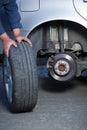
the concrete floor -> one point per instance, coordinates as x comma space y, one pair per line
59, 107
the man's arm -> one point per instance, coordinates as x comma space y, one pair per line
14, 18
6, 40
11, 10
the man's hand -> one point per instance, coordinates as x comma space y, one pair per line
7, 43
22, 38
19, 37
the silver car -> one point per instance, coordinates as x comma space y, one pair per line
58, 31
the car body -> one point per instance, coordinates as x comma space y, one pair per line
44, 20
58, 31
37, 12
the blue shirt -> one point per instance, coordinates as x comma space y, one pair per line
11, 10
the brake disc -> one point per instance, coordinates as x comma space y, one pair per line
62, 66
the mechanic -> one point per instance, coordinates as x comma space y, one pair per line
11, 10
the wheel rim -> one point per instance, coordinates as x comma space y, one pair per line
8, 80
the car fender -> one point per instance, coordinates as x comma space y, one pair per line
45, 11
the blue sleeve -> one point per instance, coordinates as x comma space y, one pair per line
1, 29
11, 10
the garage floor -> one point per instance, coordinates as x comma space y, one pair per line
59, 107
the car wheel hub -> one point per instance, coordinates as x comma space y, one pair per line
62, 66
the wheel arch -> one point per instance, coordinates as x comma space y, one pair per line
36, 25
76, 26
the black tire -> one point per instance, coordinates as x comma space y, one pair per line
20, 78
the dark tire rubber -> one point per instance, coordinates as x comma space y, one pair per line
24, 78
